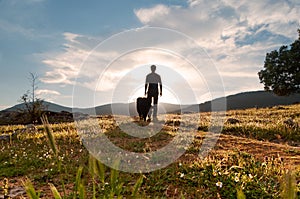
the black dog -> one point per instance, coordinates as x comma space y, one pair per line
143, 106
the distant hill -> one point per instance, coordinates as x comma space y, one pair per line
254, 99
50, 107
259, 99
244, 100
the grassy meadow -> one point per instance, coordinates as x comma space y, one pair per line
256, 156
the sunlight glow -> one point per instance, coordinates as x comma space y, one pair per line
168, 96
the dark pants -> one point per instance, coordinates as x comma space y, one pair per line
154, 96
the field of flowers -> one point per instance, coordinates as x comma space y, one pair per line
257, 156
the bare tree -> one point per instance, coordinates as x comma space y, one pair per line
33, 78
34, 106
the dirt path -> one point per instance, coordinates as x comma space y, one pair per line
259, 149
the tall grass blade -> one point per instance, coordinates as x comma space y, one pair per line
55, 192
114, 177
289, 186
50, 136
240, 194
100, 170
77, 181
92, 170
30, 191
182, 196
94, 190
53, 147
136, 186
81, 191
91, 165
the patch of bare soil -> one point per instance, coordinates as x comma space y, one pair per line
259, 149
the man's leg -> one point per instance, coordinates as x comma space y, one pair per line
150, 110
155, 107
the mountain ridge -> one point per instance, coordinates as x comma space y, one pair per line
251, 99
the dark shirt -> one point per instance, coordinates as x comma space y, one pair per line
153, 82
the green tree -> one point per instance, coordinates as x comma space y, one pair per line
33, 106
281, 73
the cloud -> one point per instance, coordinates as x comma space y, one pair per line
46, 92
48, 95
64, 66
204, 19
148, 15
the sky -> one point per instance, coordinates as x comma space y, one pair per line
97, 52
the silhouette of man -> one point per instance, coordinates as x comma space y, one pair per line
153, 87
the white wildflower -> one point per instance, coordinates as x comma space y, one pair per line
250, 176
236, 179
219, 184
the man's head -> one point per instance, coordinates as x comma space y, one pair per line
153, 68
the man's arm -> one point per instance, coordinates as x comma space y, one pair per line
160, 89
146, 85
160, 86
